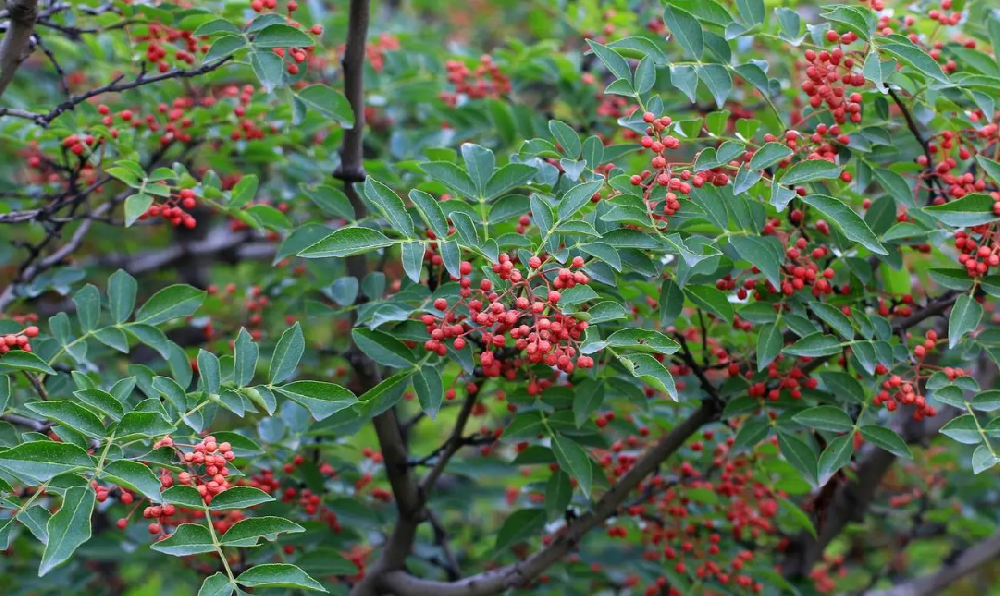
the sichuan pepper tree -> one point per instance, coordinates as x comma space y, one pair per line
431, 298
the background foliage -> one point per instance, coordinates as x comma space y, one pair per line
549, 297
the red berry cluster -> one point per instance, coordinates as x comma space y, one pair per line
160, 37
896, 390
527, 311
18, 341
979, 248
175, 209
78, 145
828, 75
486, 80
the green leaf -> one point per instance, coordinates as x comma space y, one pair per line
244, 191
971, 210
602, 312
187, 496
802, 458
574, 460
287, 354
643, 340
588, 397
852, 18
567, 137
88, 307
801, 520
187, 539
769, 155
69, 527
645, 76
965, 316
508, 177
992, 168
878, 71
268, 67
790, 23
282, 36
121, 295
558, 493
217, 585
810, 170
519, 525
983, 459
849, 222
686, 29
836, 455
278, 575
390, 206
832, 316
372, 397
718, 80
751, 432
412, 256
612, 60
329, 103
100, 400
36, 519
987, 401
712, 300
576, 197
4, 392
331, 200
431, 212
216, 26
885, 438
751, 11
142, 424
21, 360
346, 242
383, 348
842, 384
963, 429
134, 475
322, 399
769, 344
760, 253
814, 345
828, 418
268, 217
480, 163
69, 414
132, 176
912, 55
671, 302
255, 527
246, 352
179, 300
451, 176
239, 497
210, 370
650, 371
135, 207
430, 389
224, 46
604, 252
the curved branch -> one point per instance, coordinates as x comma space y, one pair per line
972, 558
487, 583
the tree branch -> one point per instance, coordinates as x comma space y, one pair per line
972, 558
487, 583
454, 443
16, 42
